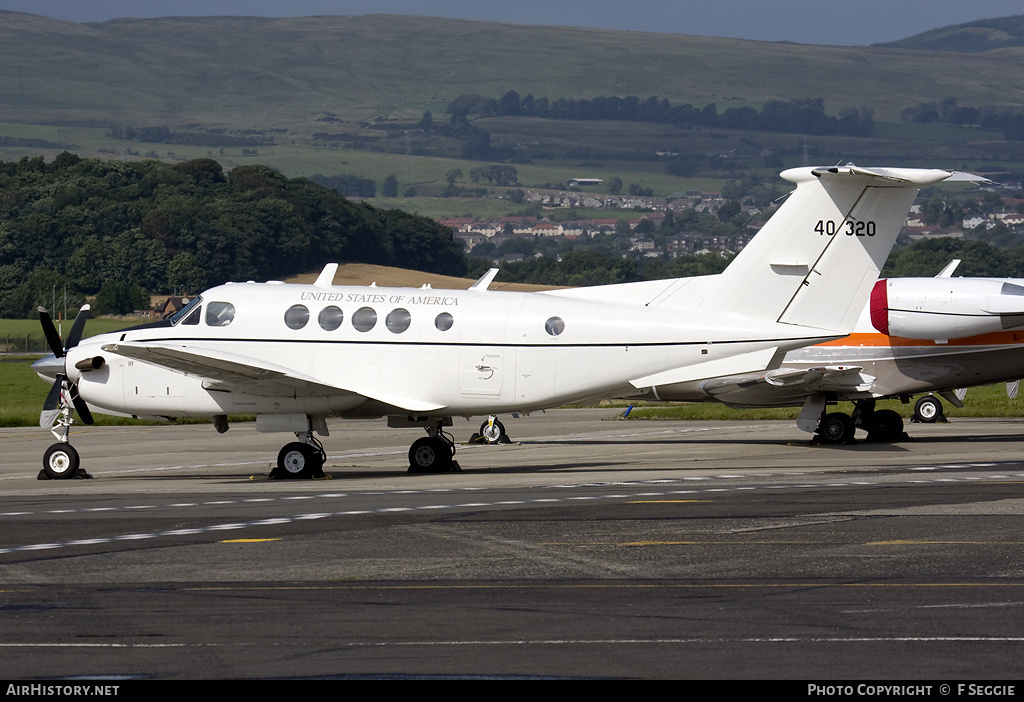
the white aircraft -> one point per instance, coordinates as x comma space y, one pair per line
294, 354
916, 335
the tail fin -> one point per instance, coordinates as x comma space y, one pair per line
814, 262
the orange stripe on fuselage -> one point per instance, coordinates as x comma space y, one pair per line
876, 339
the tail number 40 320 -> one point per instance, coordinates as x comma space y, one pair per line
851, 227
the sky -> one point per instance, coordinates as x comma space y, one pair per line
832, 22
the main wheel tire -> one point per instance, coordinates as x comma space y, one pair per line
493, 433
836, 428
886, 425
61, 461
928, 410
298, 460
430, 455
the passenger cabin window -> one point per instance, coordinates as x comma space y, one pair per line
364, 319
296, 316
444, 321
330, 318
554, 326
398, 320
219, 314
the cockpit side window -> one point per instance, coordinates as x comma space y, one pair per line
219, 314
188, 309
193, 317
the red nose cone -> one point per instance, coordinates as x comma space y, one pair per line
880, 307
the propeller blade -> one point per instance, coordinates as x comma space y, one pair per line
51, 407
50, 332
78, 327
53, 397
80, 406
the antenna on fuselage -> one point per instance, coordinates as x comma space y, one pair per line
326, 277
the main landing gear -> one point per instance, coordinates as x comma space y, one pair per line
928, 410
434, 453
882, 425
301, 459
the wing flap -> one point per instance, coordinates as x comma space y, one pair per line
786, 386
742, 363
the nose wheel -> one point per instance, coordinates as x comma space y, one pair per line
61, 461
491, 432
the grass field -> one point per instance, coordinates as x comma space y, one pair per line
22, 395
26, 335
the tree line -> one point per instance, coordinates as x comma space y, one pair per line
158, 226
591, 267
1001, 119
797, 116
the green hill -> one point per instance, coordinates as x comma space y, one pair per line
969, 38
244, 72
349, 96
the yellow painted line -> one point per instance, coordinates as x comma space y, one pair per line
246, 541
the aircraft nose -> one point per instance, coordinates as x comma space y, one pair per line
48, 367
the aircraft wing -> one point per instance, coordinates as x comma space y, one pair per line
786, 386
244, 374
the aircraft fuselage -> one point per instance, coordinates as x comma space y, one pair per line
407, 351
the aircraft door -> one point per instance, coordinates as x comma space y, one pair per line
483, 355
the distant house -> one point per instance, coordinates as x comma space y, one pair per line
931, 232
170, 306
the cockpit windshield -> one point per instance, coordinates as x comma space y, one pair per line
184, 312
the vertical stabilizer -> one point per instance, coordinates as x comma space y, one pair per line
814, 262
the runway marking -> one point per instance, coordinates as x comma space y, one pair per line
884, 480
519, 642
603, 585
249, 541
922, 542
995, 479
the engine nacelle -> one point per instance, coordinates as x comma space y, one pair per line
940, 309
